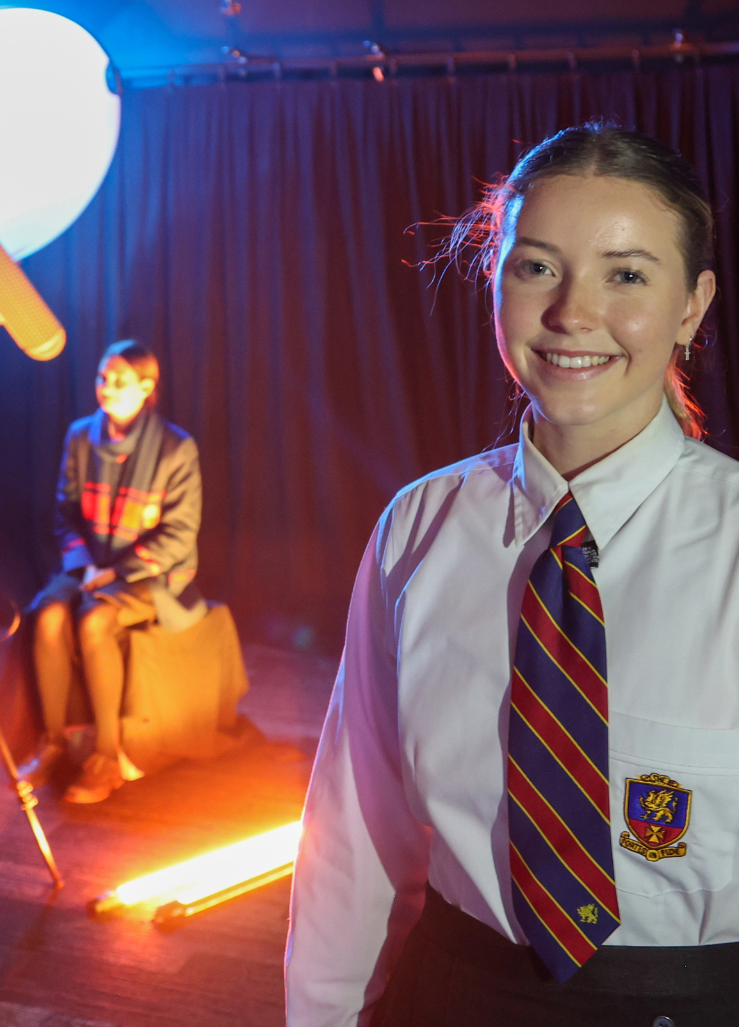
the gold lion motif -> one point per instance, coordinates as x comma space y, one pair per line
659, 805
588, 914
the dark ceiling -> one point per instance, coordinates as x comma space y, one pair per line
164, 33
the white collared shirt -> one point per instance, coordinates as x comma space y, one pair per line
410, 777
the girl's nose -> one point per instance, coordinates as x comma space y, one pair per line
575, 309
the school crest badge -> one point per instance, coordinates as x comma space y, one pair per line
657, 811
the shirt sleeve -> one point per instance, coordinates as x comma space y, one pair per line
360, 874
68, 520
158, 550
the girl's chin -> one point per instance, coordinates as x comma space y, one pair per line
568, 415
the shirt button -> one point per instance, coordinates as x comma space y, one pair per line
663, 1021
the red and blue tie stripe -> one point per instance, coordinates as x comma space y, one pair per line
564, 893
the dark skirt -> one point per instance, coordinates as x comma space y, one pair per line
457, 972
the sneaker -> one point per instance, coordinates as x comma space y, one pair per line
38, 769
101, 775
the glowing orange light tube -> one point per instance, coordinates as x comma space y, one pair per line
259, 859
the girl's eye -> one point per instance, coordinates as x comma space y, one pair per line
534, 268
629, 277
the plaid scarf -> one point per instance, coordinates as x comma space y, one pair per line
115, 483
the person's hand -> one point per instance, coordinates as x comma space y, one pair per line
94, 578
90, 572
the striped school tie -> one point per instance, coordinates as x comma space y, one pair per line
564, 892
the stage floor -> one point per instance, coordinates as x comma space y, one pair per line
222, 968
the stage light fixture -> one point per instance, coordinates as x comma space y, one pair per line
27, 318
59, 125
214, 877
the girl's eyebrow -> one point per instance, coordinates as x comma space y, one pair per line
525, 240
624, 254
548, 247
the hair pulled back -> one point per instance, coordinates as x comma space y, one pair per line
142, 360
597, 148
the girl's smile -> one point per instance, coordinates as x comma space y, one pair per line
579, 365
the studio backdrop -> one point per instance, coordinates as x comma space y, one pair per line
260, 238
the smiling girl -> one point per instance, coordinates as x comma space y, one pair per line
127, 517
525, 805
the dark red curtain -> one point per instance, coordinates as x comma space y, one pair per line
256, 237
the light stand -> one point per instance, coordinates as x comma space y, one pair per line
23, 789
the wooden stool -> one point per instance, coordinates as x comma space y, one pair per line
181, 690
179, 700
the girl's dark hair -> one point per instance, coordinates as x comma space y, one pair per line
597, 148
142, 360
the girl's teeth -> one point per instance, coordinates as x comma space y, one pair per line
577, 362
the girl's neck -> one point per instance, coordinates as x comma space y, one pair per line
571, 449
568, 455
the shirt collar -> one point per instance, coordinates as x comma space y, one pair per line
609, 492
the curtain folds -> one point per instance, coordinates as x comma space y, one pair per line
259, 238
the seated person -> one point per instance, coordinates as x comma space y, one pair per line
127, 517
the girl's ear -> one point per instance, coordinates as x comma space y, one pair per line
147, 385
698, 303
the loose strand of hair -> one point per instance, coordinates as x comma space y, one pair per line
686, 409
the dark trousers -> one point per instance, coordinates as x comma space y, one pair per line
457, 972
